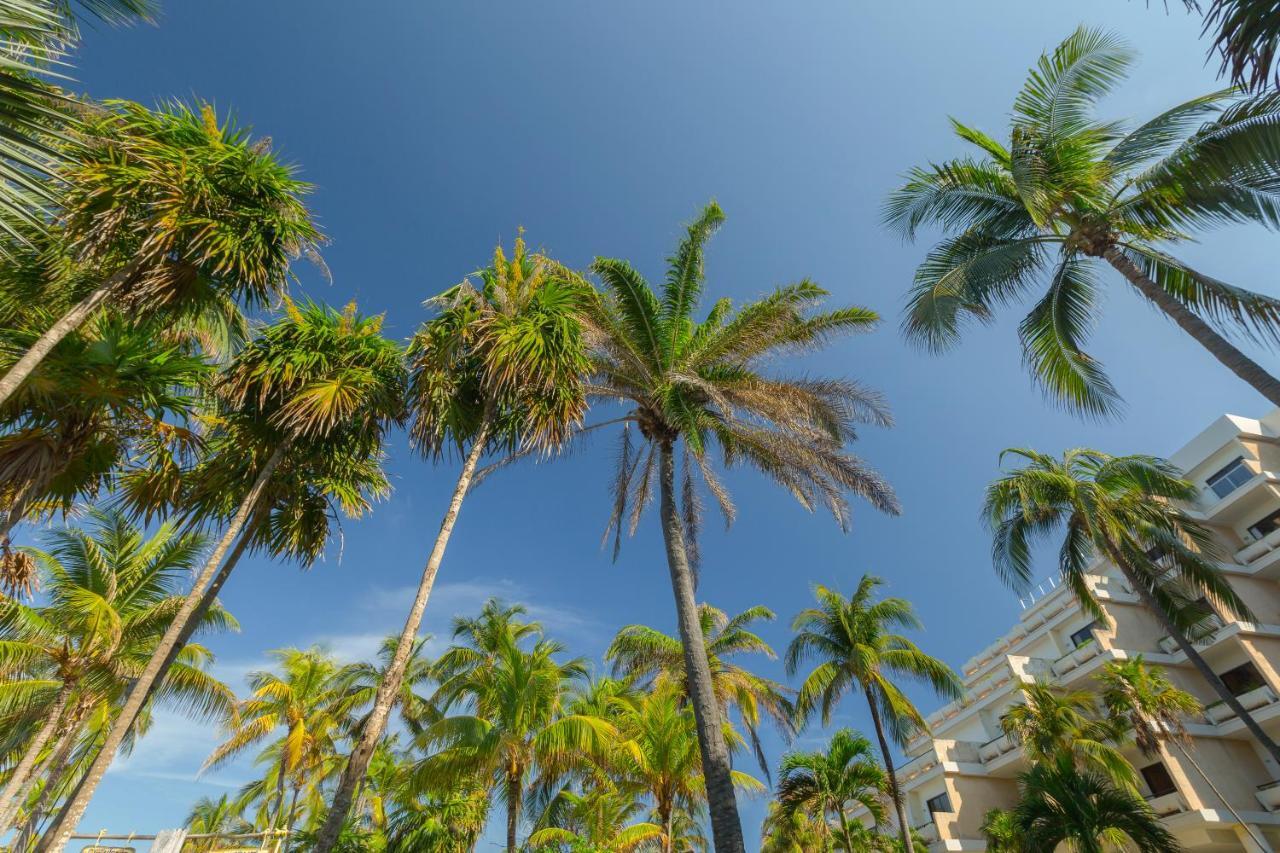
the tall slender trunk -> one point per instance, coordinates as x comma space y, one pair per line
289, 818
1218, 346
389, 689
514, 789
15, 789
666, 814
57, 769
65, 325
1180, 637
56, 839
1186, 753
848, 833
726, 826
895, 793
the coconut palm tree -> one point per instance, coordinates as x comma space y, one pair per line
498, 368
1126, 510
1246, 35
363, 678
693, 384
1069, 190
111, 593
101, 393
304, 709
1155, 711
855, 644
517, 727
448, 821
641, 653
828, 783
184, 211
1052, 723
214, 817
1062, 805
312, 395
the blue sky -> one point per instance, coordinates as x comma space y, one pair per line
433, 130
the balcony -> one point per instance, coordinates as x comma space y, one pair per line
996, 747
1258, 548
1206, 634
1087, 651
1260, 697
1167, 804
926, 832
1269, 795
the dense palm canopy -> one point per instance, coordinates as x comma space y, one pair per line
1068, 190
1053, 724
1147, 701
825, 785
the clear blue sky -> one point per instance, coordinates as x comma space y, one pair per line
432, 130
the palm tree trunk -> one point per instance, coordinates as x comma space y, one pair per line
726, 826
895, 792
513, 812
14, 791
289, 817
1218, 346
1189, 650
389, 689
57, 769
848, 834
65, 325
1186, 753
668, 827
56, 839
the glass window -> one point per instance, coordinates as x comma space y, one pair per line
1230, 478
1084, 635
1267, 525
1158, 779
940, 803
1242, 679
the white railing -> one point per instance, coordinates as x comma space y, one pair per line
1269, 795
996, 747
1167, 804
1087, 651
1259, 697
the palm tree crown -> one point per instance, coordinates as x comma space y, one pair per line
1069, 189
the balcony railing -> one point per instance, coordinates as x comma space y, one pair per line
1204, 635
1074, 658
1269, 795
996, 747
1167, 804
927, 831
1260, 697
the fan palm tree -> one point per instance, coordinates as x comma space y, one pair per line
641, 653
1125, 509
186, 212
112, 592
304, 708
499, 367
1052, 723
101, 393
691, 385
1155, 711
518, 727
1081, 810
856, 647
1069, 190
312, 395
829, 782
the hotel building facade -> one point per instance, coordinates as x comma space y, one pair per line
966, 766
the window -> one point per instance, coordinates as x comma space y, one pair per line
940, 803
1242, 679
1267, 525
1083, 636
1158, 779
1230, 478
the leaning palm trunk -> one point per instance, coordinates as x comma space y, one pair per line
65, 325
1186, 753
16, 788
1179, 637
57, 769
726, 826
895, 793
57, 837
1218, 346
389, 689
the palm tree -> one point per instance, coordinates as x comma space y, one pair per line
499, 367
1052, 723
518, 726
305, 709
600, 819
1154, 709
1126, 510
212, 817
1000, 829
185, 210
450, 821
111, 594
1070, 189
1084, 811
641, 653
830, 782
312, 395
702, 383
1246, 36
855, 644
792, 831
365, 677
